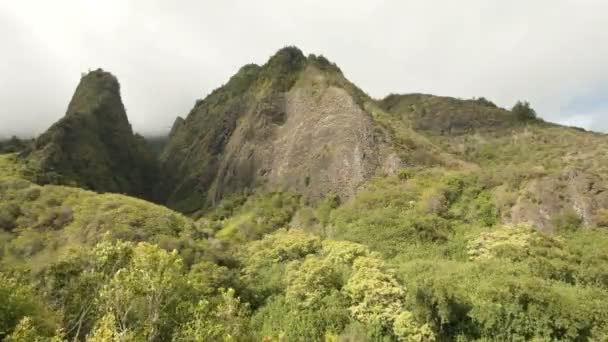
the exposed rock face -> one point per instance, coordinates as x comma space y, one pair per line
93, 146
301, 129
573, 192
313, 139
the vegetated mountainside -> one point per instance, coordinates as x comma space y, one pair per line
540, 173
93, 145
468, 223
294, 123
40, 223
298, 124
448, 116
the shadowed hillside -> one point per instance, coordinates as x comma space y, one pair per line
93, 145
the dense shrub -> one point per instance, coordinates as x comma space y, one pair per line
523, 111
21, 309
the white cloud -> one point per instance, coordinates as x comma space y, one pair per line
169, 53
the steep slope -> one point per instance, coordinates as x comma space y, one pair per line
294, 123
539, 173
434, 252
93, 145
438, 115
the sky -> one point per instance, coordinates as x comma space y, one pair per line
167, 54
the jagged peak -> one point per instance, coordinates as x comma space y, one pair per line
285, 60
177, 124
93, 145
97, 88
100, 78
287, 55
323, 63
278, 74
248, 68
291, 58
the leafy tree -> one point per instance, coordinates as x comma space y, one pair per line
143, 295
523, 111
376, 295
201, 327
74, 282
22, 311
310, 280
342, 253
408, 330
228, 321
284, 320
485, 102
27, 331
106, 330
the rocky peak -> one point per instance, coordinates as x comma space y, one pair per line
287, 58
177, 124
294, 123
93, 145
98, 93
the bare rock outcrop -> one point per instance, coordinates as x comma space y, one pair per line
297, 125
575, 193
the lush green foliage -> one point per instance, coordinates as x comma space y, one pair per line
429, 260
495, 231
38, 223
93, 145
22, 310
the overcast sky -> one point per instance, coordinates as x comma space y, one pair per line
167, 54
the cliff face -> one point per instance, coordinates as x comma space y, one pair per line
297, 124
570, 197
93, 145
293, 124
313, 139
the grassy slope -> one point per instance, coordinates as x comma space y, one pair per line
492, 137
38, 223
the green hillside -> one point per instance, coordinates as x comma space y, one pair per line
93, 145
304, 210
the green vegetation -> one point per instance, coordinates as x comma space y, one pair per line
493, 227
448, 116
14, 145
523, 111
420, 256
93, 145
11, 166
41, 222
252, 103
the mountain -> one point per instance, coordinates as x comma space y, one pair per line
297, 124
294, 123
437, 115
301, 209
93, 145
540, 173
